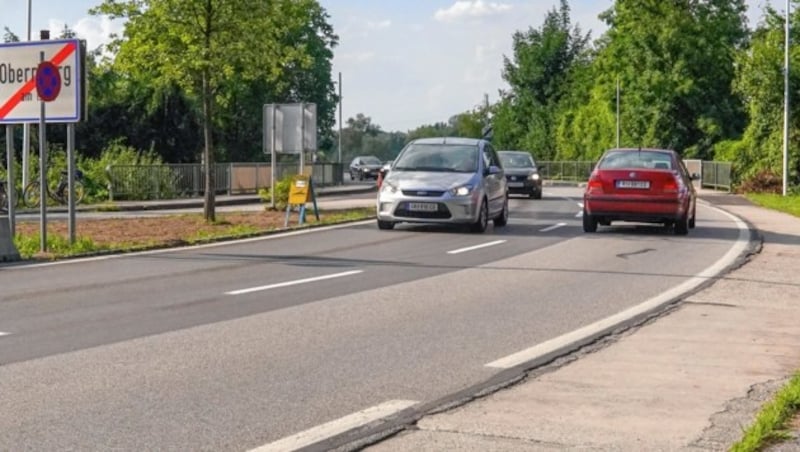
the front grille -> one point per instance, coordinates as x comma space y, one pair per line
442, 213
423, 193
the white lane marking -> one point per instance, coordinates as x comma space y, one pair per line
580, 212
476, 247
337, 427
553, 227
121, 255
4, 334
293, 283
561, 341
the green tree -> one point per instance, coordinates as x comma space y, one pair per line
538, 75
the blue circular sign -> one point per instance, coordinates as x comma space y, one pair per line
48, 81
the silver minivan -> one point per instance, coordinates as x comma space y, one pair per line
446, 181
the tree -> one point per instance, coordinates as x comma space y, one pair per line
220, 53
538, 75
9, 36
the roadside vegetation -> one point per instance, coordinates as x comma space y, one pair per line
787, 204
118, 235
770, 425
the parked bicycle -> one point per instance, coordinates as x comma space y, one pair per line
4, 196
32, 193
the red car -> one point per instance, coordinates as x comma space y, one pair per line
640, 185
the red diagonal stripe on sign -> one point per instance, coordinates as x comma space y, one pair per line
28, 87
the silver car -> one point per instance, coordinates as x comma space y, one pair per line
445, 180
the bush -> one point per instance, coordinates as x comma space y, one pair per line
282, 188
765, 181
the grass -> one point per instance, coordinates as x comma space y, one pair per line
57, 245
770, 424
788, 204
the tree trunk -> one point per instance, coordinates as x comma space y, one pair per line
208, 154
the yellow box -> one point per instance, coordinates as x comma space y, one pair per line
300, 192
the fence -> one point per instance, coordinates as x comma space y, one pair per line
717, 175
576, 171
170, 181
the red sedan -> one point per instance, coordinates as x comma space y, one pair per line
640, 185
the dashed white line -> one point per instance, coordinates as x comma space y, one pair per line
476, 247
553, 227
4, 334
293, 283
339, 426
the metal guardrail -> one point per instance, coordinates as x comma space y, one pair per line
717, 175
576, 171
172, 181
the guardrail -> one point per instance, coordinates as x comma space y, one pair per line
577, 171
171, 181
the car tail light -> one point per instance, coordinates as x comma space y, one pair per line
595, 185
671, 186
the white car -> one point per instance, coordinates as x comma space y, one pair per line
445, 181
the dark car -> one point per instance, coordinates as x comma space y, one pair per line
521, 173
640, 185
365, 167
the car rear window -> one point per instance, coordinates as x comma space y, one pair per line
636, 159
516, 160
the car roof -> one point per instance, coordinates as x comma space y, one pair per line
670, 151
449, 140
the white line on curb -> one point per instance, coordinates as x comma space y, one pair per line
556, 343
476, 247
293, 283
553, 227
333, 428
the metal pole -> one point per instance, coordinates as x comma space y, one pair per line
618, 122
42, 174
340, 118
786, 107
26, 128
273, 162
71, 181
11, 192
302, 137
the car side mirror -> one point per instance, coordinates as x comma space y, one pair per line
494, 169
695, 176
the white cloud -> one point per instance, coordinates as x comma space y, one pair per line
379, 25
359, 57
470, 9
95, 30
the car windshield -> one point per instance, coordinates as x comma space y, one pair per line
370, 161
516, 160
438, 157
636, 159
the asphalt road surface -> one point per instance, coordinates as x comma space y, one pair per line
234, 346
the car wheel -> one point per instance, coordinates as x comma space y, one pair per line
483, 219
502, 219
682, 225
589, 222
537, 195
604, 222
385, 225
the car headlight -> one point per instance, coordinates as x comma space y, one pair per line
388, 188
534, 176
464, 190
366, 170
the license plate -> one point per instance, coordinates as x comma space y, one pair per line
515, 184
641, 184
423, 207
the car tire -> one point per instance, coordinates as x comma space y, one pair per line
502, 219
537, 195
604, 222
589, 222
385, 225
482, 222
681, 226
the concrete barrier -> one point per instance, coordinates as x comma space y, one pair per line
8, 252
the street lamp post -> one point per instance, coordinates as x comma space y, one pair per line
340, 117
786, 106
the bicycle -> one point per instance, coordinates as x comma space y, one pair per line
32, 193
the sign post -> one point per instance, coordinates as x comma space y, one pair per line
51, 72
8, 252
289, 129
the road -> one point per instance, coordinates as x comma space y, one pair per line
234, 346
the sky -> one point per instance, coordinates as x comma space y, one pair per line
404, 63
